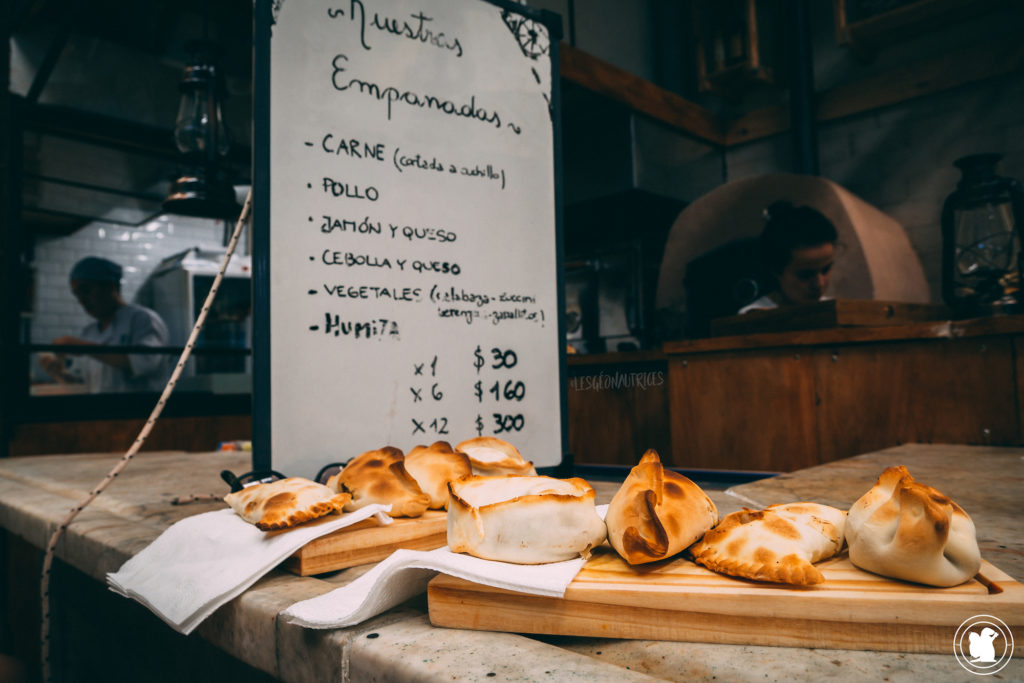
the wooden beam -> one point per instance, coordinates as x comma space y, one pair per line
641, 95
892, 87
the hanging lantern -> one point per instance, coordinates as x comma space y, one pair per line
203, 140
982, 233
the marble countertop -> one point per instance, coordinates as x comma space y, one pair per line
36, 492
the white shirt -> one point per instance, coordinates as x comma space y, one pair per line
765, 302
132, 325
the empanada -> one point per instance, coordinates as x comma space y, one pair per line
490, 456
433, 467
777, 544
380, 477
656, 513
523, 519
906, 530
285, 503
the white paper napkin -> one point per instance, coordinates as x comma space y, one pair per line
202, 562
406, 573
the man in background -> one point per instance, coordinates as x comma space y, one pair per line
96, 283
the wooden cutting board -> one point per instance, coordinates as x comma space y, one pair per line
368, 541
678, 600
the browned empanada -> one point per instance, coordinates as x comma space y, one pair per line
380, 477
434, 466
907, 530
490, 456
657, 513
523, 519
779, 544
285, 503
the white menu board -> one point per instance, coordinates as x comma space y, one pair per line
413, 250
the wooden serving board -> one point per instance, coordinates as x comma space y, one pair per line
368, 541
678, 600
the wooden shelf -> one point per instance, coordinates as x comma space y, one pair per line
643, 96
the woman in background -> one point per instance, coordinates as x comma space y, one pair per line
798, 247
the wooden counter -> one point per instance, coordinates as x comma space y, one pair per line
101, 636
782, 401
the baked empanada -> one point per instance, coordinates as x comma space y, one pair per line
656, 513
490, 456
777, 544
906, 530
380, 477
433, 467
522, 519
285, 503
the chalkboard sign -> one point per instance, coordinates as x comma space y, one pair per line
407, 252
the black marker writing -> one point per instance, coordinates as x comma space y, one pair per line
352, 147
365, 226
374, 292
378, 328
392, 95
340, 189
416, 30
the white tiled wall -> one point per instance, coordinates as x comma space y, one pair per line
137, 250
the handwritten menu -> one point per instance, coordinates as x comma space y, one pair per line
413, 257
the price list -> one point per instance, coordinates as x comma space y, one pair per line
413, 259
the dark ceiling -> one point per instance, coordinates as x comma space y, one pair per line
97, 85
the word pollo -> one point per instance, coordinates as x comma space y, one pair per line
391, 94
416, 31
378, 328
340, 189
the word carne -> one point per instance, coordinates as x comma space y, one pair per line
373, 292
618, 380
378, 328
351, 147
423, 101
340, 189
416, 31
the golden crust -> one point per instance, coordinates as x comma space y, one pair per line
906, 530
778, 544
434, 466
285, 503
491, 456
380, 476
657, 513
522, 519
